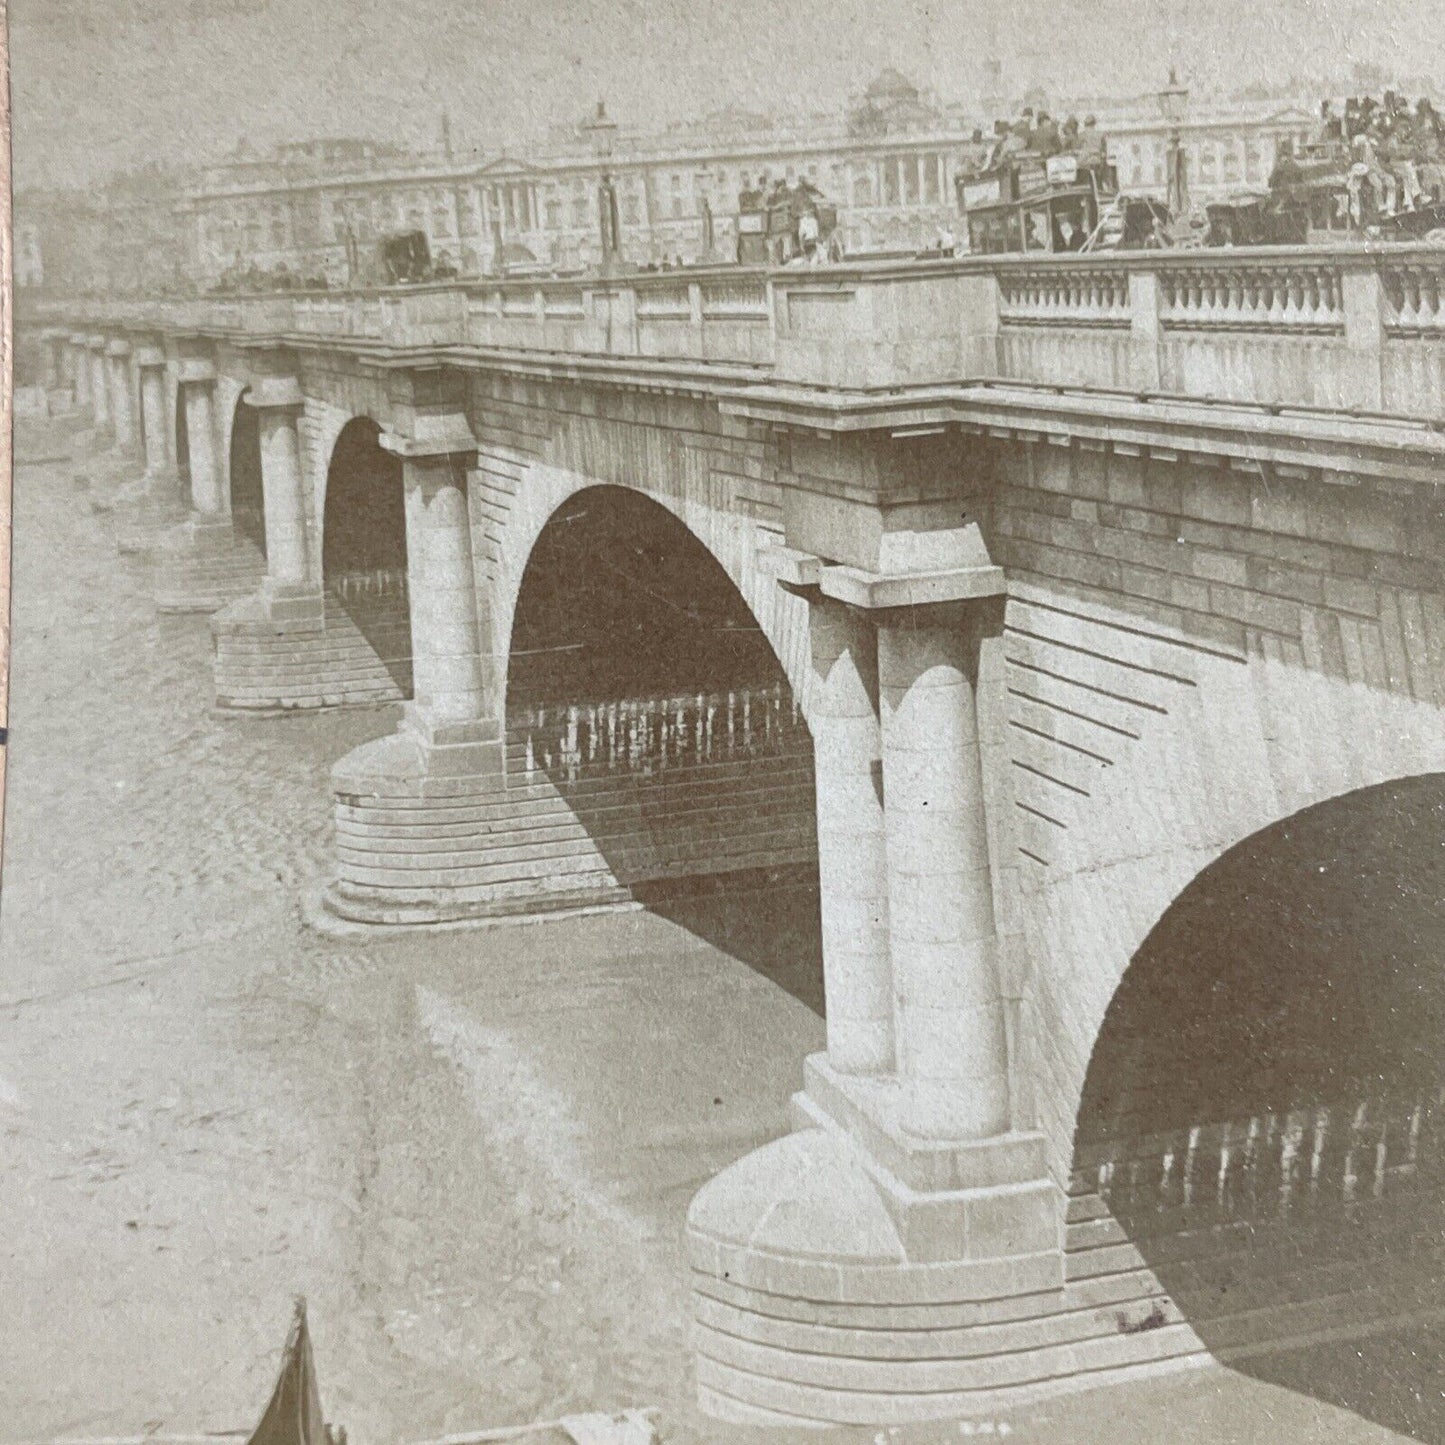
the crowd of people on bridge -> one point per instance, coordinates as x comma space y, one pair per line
1395, 154
1037, 134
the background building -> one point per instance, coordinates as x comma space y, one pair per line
319, 208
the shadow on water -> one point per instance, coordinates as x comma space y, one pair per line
644, 692
766, 919
248, 505
1264, 1113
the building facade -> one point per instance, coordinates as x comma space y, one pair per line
889, 160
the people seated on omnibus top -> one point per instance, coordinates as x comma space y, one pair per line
1044, 140
1286, 173
1093, 148
973, 159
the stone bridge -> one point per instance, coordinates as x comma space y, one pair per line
1078, 574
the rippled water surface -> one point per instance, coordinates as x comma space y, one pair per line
473, 1151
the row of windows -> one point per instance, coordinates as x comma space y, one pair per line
898, 180
1231, 161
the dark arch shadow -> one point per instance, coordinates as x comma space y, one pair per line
248, 504
643, 690
183, 446
1264, 1110
363, 555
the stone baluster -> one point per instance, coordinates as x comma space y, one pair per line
1276, 287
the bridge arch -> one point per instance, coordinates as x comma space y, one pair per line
363, 548
1269, 1068
181, 443
647, 705
243, 470
1170, 754
729, 538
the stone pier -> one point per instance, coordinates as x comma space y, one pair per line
271, 645
201, 564
149, 500
860, 1268
401, 854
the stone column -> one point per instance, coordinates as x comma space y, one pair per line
278, 400
447, 679
952, 1055
122, 402
399, 858
151, 363
99, 386
852, 861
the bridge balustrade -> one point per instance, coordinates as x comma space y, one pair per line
1340, 328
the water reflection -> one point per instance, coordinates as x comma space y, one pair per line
1271, 1166
1264, 1115
646, 736
378, 586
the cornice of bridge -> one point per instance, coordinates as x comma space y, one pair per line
445, 327
1249, 437
1289, 440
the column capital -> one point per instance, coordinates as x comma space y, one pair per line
147, 355
95, 341
438, 437
193, 369
78, 338
875, 591
117, 347
917, 570
274, 393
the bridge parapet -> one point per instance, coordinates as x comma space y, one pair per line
1342, 328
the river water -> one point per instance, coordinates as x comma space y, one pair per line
471, 1150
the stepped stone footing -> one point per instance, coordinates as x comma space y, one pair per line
143, 510
419, 842
202, 564
816, 1300
850, 1274
422, 825
283, 650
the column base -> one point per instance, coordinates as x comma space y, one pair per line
202, 564
285, 649
426, 831
850, 1274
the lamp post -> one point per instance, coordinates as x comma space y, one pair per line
1173, 105
601, 130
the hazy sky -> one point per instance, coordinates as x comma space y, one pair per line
104, 83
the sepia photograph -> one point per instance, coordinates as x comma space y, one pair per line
723, 723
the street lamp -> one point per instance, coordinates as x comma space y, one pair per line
601, 131
1173, 105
